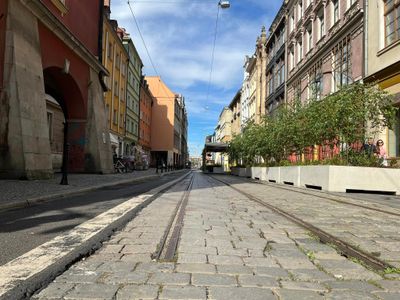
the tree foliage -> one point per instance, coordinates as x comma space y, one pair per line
346, 117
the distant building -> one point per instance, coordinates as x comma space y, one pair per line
235, 107
168, 124
146, 104
115, 59
132, 95
50, 74
248, 94
276, 62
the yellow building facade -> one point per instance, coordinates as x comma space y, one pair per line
115, 59
382, 63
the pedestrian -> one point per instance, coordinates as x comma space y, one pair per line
381, 153
369, 147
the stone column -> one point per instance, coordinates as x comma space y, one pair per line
25, 149
98, 155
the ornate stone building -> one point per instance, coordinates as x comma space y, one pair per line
51, 50
325, 45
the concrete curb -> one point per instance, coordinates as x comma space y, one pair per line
54, 196
21, 277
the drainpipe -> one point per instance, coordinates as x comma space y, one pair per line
365, 52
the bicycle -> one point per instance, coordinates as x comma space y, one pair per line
119, 166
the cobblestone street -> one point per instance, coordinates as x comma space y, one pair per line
230, 248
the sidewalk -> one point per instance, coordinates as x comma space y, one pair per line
20, 193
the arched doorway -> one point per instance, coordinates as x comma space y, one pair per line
63, 89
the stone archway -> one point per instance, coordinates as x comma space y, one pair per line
64, 89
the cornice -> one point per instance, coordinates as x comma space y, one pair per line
46, 17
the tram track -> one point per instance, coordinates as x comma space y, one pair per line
166, 251
331, 198
345, 248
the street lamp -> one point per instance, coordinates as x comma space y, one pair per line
224, 4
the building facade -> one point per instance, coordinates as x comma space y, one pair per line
146, 104
261, 77
276, 62
223, 134
325, 45
168, 112
234, 106
248, 94
115, 60
49, 51
383, 58
132, 95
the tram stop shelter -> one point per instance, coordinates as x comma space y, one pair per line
212, 147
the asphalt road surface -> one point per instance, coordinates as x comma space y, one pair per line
24, 229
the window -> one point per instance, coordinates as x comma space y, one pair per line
121, 120
291, 22
350, 3
315, 82
392, 21
116, 88
117, 61
335, 11
291, 57
115, 117
300, 10
342, 65
122, 94
299, 50
309, 37
110, 51
321, 23
50, 125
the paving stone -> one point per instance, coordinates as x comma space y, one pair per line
81, 277
198, 250
196, 268
183, 292
240, 293
92, 291
170, 278
153, 267
192, 258
54, 291
271, 272
260, 261
257, 281
349, 295
311, 275
388, 295
355, 285
125, 278
225, 260
109, 266
140, 257
296, 263
213, 280
130, 292
390, 285
230, 251
285, 294
133, 249
234, 269
111, 249
302, 285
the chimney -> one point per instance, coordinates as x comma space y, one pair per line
107, 8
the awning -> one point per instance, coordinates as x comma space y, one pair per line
114, 139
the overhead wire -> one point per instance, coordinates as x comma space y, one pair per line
213, 54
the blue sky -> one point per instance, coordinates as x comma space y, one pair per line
179, 35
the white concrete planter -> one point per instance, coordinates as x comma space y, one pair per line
361, 178
274, 174
235, 171
290, 175
259, 173
218, 170
244, 172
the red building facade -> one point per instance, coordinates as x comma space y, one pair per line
53, 50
